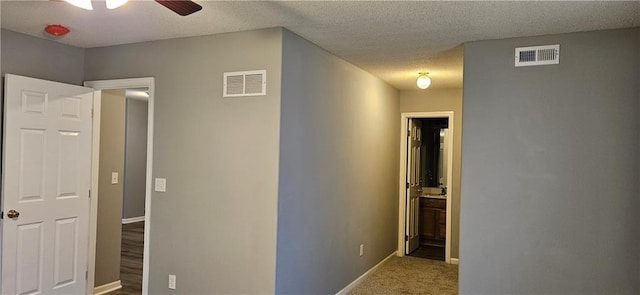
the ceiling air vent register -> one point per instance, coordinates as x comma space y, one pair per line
537, 55
247, 83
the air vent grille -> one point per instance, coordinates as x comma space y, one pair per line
527, 56
247, 83
546, 54
235, 85
537, 55
253, 83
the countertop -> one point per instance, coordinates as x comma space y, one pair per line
441, 197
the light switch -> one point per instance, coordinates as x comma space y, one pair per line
172, 282
161, 185
114, 177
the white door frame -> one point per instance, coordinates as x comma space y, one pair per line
402, 200
149, 83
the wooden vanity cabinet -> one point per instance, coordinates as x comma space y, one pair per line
433, 222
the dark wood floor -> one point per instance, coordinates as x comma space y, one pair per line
131, 259
429, 252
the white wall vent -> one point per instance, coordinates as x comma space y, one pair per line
538, 55
247, 83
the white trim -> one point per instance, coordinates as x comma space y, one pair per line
132, 219
149, 83
455, 261
402, 199
108, 287
361, 278
93, 202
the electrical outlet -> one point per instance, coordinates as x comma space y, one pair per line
161, 185
114, 177
361, 249
172, 282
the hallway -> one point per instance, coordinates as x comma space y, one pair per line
131, 259
410, 275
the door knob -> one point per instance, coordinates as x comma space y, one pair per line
13, 214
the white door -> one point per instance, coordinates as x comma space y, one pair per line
414, 185
46, 180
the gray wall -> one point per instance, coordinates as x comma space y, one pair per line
135, 171
109, 232
43, 59
436, 100
339, 155
550, 167
215, 227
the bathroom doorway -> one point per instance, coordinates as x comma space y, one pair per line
425, 185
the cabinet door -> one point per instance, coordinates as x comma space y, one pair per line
428, 226
442, 225
442, 217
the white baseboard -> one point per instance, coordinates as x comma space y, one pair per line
106, 288
455, 261
132, 219
364, 276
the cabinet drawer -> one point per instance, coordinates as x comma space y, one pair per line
433, 203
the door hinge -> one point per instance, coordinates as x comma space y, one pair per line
406, 238
89, 194
86, 275
407, 185
408, 133
91, 113
1, 214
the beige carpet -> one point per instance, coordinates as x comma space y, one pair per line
410, 275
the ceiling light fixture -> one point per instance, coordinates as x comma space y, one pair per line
84, 4
423, 81
113, 4
181, 7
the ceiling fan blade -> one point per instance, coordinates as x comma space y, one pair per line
181, 7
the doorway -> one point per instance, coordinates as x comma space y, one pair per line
131, 215
426, 185
121, 190
62, 122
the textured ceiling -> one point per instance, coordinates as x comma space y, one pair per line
393, 40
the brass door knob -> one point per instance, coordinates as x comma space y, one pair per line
13, 214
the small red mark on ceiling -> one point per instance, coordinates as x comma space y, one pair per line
56, 30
